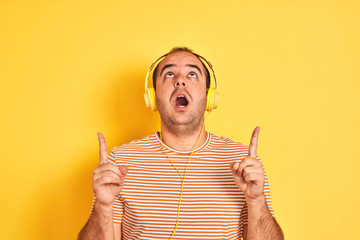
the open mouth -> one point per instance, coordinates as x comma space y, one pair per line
181, 101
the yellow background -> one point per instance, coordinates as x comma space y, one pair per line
69, 69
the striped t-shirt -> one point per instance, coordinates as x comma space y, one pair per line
212, 207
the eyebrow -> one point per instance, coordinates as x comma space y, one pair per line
172, 65
194, 66
166, 66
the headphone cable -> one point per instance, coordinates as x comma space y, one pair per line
182, 177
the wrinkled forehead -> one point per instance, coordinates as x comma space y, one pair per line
181, 58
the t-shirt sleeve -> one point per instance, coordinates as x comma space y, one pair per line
118, 207
244, 212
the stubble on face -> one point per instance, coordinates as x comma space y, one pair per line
182, 126
188, 121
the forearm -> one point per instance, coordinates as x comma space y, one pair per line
100, 225
261, 224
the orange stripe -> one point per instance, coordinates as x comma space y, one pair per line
212, 207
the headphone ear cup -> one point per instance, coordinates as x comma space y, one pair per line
150, 99
212, 99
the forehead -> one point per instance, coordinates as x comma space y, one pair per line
181, 58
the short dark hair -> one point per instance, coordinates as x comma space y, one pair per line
184, 49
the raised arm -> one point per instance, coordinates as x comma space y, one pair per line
108, 181
250, 178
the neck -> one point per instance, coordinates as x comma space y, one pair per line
184, 142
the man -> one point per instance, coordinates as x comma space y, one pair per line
184, 183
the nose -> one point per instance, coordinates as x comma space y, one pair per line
179, 82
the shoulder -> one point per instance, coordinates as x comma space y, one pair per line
224, 150
142, 144
225, 142
136, 151
225, 147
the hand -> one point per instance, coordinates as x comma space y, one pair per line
108, 179
249, 173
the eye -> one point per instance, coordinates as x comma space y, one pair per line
192, 75
169, 74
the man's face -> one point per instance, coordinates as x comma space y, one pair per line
181, 89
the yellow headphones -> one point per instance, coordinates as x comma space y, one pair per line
212, 94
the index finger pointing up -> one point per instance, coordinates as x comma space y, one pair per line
102, 149
253, 143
